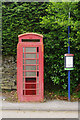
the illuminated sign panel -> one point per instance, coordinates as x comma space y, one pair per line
69, 61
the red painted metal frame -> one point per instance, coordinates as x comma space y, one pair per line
68, 54
20, 83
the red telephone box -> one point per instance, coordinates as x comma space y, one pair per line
30, 76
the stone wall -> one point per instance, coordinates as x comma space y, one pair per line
9, 73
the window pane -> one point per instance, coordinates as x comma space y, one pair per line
31, 49
30, 61
38, 67
30, 86
37, 61
30, 92
37, 49
30, 67
23, 67
23, 61
23, 49
23, 82
37, 79
37, 55
30, 79
38, 86
30, 55
23, 55
30, 73
37, 73
37, 92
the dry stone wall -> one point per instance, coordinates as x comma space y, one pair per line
9, 73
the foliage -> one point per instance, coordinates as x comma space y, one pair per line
51, 20
18, 18
55, 31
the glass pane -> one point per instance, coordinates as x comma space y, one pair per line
37, 55
23, 73
23, 82
30, 55
37, 92
37, 73
38, 86
23, 55
31, 49
30, 86
37, 79
23, 92
30, 92
23, 49
37, 61
23, 67
37, 67
37, 49
30, 61
30, 73
23, 61
30, 67
30, 79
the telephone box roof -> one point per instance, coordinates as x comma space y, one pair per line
29, 34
